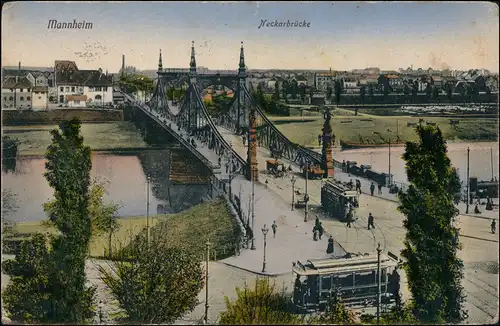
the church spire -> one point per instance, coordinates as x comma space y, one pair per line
192, 63
160, 63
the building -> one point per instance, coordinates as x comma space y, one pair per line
94, 84
350, 85
40, 98
318, 99
76, 101
395, 82
301, 80
322, 81
438, 81
369, 80
16, 93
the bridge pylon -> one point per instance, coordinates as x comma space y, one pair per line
252, 164
327, 140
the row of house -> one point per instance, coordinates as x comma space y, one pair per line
66, 85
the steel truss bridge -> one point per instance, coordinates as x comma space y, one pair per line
206, 136
189, 116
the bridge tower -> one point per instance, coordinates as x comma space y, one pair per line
253, 170
160, 63
242, 75
327, 139
192, 113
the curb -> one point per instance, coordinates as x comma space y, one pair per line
254, 272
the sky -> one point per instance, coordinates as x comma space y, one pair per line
341, 35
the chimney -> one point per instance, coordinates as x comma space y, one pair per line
123, 64
19, 65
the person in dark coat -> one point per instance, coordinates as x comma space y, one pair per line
358, 186
344, 168
493, 226
320, 230
379, 189
315, 233
329, 248
349, 218
372, 188
274, 227
370, 221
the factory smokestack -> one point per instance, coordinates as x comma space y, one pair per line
123, 64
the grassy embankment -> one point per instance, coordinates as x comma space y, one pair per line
361, 128
110, 136
193, 227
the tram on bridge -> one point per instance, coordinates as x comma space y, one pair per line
353, 277
335, 198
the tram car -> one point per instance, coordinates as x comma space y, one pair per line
275, 167
353, 277
334, 199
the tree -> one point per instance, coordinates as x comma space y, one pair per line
336, 313
68, 173
337, 90
449, 92
9, 207
294, 88
285, 89
103, 216
435, 92
27, 297
433, 270
362, 93
370, 90
9, 154
276, 95
262, 305
302, 92
428, 91
329, 92
155, 283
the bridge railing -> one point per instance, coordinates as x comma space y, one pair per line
311, 156
215, 130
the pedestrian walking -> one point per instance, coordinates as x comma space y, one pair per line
358, 186
320, 230
372, 188
319, 140
493, 226
379, 189
370, 221
329, 248
274, 226
343, 166
349, 219
315, 233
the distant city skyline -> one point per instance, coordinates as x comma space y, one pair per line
343, 36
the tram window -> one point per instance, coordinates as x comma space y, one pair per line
326, 283
365, 278
345, 281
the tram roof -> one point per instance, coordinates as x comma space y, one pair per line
343, 265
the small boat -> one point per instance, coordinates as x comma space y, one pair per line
352, 145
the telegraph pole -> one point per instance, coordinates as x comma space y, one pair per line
390, 176
147, 208
206, 282
293, 190
468, 185
306, 196
378, 282
253, 212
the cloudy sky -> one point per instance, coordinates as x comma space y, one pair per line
340, 35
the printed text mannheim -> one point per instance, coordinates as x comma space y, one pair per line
54, 24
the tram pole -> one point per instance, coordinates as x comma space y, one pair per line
378, 283
206, 283
306, 197
147, 210
293, 190
468, 184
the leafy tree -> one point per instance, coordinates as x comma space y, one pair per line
262, 305
27, 297
488, 90
294, 89
302, 92
337, 89
276, 95
336, 313
362, 93
435, 92
156, 283
434, 272
449, 92
9, 207
428, 90
285, 88
103, 216
370, 90
329, 92
68, 173
9, 154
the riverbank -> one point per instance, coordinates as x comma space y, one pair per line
193, 227
370, 129
103, 137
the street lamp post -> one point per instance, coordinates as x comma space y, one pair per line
264, 232
293, 180
147, 206
306, 196
468, 182
378, 282
207, 244
253, 211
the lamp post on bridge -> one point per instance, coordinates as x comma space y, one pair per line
147, 208
306, 196
265, 229
293, 180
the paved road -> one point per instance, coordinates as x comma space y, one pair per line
480, 247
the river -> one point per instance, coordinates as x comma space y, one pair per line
126, 184
482, 162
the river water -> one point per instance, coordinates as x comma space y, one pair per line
483, 159
125, 178
126, 181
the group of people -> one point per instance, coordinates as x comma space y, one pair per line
357, 186
318, 230
489, 205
